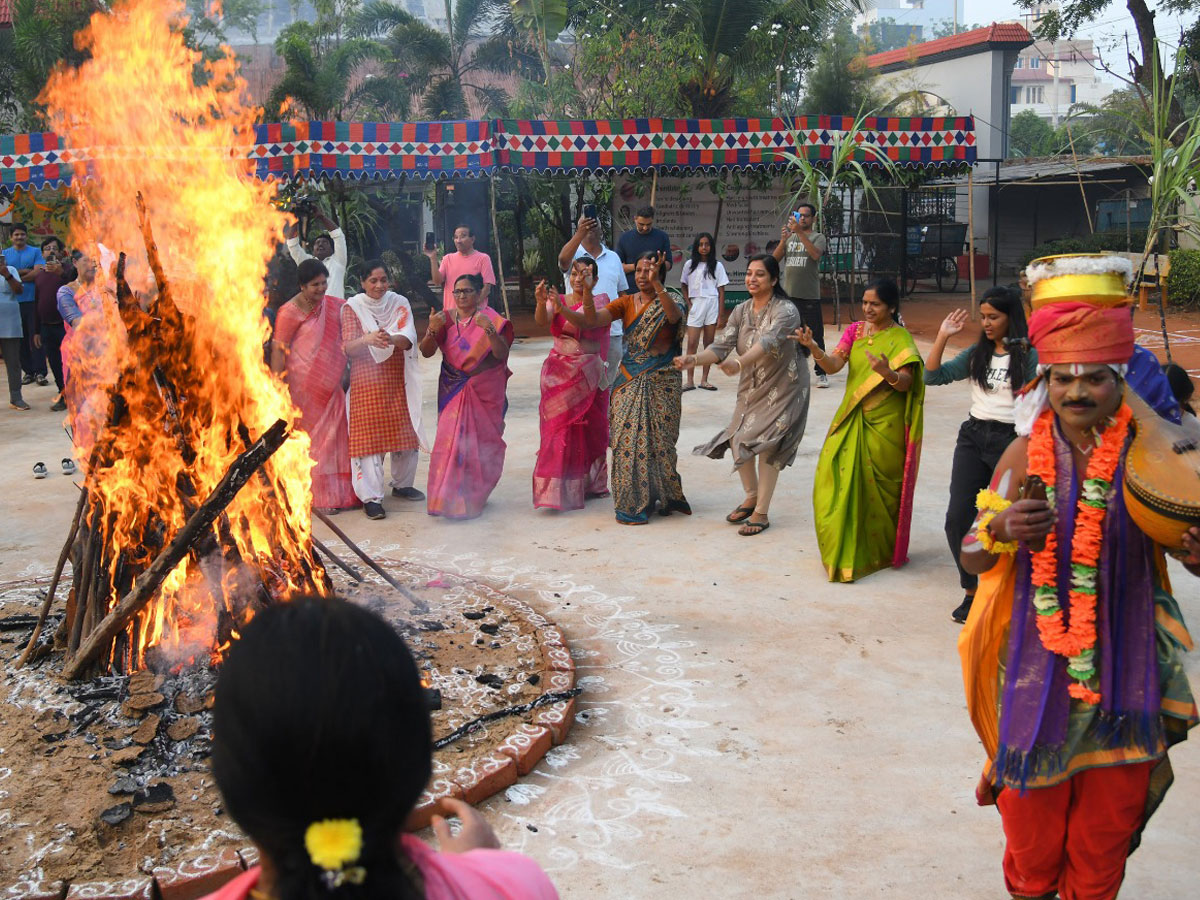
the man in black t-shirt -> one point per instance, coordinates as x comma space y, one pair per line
642, 238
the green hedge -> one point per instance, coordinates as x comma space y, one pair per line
1183, 281
1109, 241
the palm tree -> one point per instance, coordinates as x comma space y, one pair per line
321, 70
449, 73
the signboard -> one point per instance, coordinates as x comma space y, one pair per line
686, 207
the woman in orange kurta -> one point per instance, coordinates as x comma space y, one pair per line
385, 400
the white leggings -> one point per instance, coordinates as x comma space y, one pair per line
367, 473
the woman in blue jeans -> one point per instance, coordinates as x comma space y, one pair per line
997, 365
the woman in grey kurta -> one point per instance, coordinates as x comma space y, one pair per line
772, 398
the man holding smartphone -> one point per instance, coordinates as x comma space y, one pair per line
329, 248
610, 278
799, 251
465, 260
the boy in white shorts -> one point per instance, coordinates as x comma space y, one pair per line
703, 281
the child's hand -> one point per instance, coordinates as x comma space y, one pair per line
475, 833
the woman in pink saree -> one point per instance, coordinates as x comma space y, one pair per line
468, 454
572, 462
307, 351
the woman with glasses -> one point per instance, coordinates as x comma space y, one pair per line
468, 453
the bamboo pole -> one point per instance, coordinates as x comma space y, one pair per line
499, 255
1079, 176
58, 570
654, 187
971, 241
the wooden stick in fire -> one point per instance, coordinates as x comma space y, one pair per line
58, 570
418, 604
200, 521
337, 560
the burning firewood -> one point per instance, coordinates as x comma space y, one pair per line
102, 635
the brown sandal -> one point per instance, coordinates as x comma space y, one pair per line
739, 515
750, 529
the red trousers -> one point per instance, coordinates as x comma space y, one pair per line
1073, 838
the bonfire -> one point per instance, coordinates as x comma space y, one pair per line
195, 506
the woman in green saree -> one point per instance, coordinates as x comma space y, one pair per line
863, 493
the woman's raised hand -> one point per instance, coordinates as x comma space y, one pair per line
660, 260
879, 363
485, 323
803, 336
953, 323
437, 321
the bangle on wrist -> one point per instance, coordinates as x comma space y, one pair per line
739, 362
818, 358
889, 381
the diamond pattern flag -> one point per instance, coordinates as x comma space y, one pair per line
306, 150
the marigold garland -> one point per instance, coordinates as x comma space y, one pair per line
1076, 642
990, 504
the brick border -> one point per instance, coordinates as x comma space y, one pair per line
517, 755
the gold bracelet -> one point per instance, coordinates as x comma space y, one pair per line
889, 381
821, 357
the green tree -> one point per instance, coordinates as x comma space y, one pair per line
322, 65
888, 34
450, 73
1031, 135
840, 82
945, 27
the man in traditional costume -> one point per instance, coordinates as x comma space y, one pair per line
1071, 653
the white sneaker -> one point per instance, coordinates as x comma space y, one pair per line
822, 380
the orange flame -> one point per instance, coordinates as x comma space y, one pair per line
155, 119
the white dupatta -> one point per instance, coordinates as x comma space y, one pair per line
393, 314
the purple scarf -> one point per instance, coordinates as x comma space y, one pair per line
1035, 706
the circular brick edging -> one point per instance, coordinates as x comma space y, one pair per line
516, 756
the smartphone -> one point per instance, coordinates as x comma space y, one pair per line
589, 210
796, 217
430, 242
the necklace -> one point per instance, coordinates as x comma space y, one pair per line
1077, 641
869, 332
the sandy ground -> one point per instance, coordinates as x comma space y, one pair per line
748, 730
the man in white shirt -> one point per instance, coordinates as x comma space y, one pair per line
610, 280
328, 248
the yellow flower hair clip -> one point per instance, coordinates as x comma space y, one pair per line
332, 844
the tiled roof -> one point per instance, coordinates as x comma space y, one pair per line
1004, 33
6, 13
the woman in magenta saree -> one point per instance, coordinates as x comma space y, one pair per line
468, 454
572, 461
307, 350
